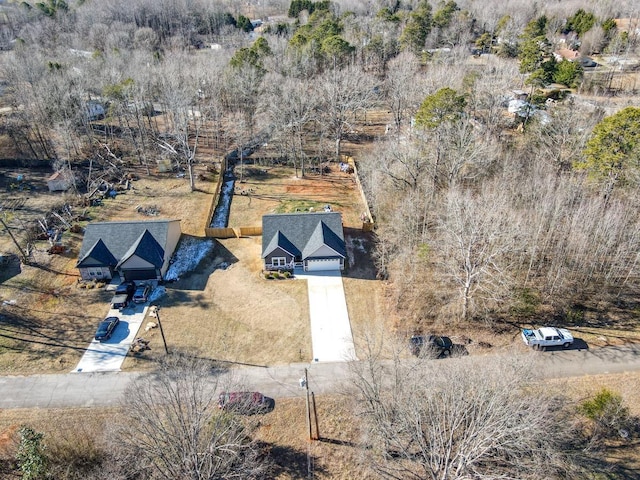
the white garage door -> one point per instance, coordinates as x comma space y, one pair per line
320, 265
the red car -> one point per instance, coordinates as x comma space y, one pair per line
245, 402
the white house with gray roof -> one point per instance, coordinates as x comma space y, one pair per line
314, 241
133, 250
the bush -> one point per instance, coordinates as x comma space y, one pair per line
31, 457
286, 274
608, 413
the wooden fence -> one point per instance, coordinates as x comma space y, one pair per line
367, 224
220, 232
237, 232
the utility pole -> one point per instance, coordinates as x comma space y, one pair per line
306, 386
157, 312
315, 415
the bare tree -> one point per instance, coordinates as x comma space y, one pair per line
172, 427
402, 87
476, 237
425, 419
291, 108
345, 92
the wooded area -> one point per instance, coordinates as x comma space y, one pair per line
503, 184
478, 210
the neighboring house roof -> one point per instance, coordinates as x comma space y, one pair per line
146, 248
304, 233
123, 239
566, 54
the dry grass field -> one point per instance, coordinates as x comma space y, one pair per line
336, 456
230, 314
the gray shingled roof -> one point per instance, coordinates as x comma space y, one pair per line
305, 231
147, 248
119, 237
280, 240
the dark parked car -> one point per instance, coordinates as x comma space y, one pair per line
430, 346
106, 328
126, 288
142, 293
246, 403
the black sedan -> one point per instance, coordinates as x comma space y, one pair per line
106, 328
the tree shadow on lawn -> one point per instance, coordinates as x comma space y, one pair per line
289, 462
9, 267
197, 279
360, 260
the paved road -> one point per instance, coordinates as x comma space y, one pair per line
97, 389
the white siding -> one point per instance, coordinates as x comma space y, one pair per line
173, 237
135, 263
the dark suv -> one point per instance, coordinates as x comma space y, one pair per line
126, 288
430, 346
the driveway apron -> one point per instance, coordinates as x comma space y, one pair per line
331, 337
108, 356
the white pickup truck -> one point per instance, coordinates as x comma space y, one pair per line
547, 337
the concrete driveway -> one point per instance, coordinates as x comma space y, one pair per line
331, 336
108, 356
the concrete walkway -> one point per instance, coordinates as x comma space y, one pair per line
108, 356
331, 336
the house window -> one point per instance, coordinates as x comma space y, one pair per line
278, 261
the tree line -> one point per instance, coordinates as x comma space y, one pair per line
477, 212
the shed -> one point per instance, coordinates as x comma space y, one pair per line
60, 181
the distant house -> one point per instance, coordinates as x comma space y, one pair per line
133, 250
565, 54
313, 241
94, 111
60, 181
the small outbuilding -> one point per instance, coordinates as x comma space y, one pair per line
60, 181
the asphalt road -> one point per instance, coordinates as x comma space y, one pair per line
108, 388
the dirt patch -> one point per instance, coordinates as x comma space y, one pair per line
276, 189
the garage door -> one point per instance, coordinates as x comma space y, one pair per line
145, 274
320, 265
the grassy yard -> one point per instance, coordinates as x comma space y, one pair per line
277, 190
232, 314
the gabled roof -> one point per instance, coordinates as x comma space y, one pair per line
279, 240
323, 235
120, 237
147, 248
98, 254
306, 232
